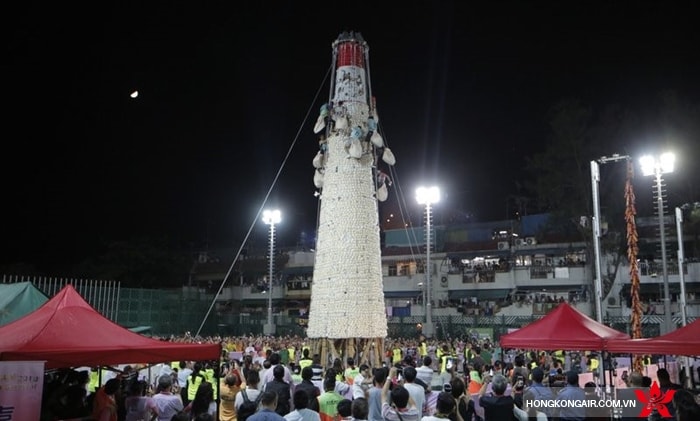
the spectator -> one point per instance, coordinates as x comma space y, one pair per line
168, 404
444, 408
374, 399
345, 410
251, 391
538, 391
268, 403
496, 405
105, 405
301, 410
425, 371
361, 382
572, 392
416, 391
307, 386
275, 360
139, 406
464, 404
281, 388
402, 407
229, 390
687, 408
665, 384
360, 409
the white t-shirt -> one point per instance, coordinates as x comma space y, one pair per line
425, 374
251, 393
138, 408
182, 376
168, 405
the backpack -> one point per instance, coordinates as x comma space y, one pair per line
248, 407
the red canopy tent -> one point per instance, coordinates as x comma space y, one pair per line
683, 341
67, 332
562, 328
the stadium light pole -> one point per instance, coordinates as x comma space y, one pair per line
681, 260
595, 181
598, 281
427, 196
271, 217
657, 167
681, 279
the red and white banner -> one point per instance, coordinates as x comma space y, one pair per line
21, 387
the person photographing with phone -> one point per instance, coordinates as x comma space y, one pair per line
497, 406
397, 404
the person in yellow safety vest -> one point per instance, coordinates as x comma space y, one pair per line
533, 364
94, 383
396, 355
209, 375
445, 355
194, 381
292, 353
305, 361
423, 349
593, 363
559, 355
468, 353
351, 371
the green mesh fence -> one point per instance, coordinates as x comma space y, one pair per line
166, 312
176, 311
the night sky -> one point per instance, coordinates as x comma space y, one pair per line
227, 89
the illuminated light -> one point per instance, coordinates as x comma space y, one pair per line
427, 195
650, 165
272, 216
134, 94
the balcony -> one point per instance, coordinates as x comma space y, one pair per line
533, 277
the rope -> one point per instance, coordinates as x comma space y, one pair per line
262, 205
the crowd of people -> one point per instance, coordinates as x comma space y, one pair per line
264, 378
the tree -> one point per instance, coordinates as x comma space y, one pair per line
563, 180
579, 134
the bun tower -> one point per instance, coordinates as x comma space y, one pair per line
347, 316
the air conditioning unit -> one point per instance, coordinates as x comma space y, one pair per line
519, 242
530, 241
503, 245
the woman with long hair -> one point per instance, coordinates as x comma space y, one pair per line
203, 402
